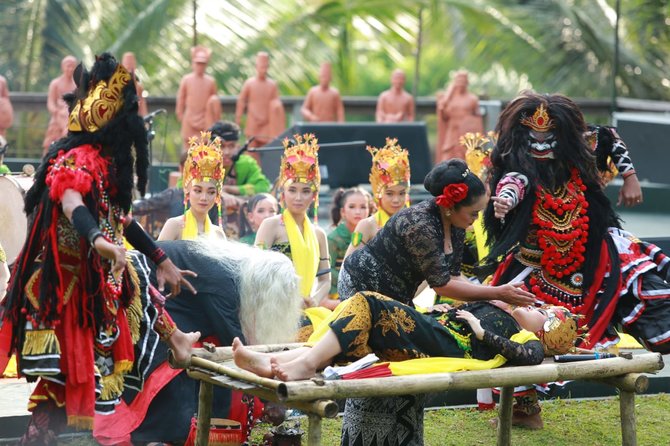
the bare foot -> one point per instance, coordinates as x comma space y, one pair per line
295, 370
181, 344
256, 362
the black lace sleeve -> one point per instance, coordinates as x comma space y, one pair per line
530, 353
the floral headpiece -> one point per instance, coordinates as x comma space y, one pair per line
101, 104
390, 167
300, 162
204, 163
540, 121
478, 150
453, 193
560, 331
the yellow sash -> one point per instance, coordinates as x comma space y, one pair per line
480, 237
190, 231
304, 251
381, 217
446, 365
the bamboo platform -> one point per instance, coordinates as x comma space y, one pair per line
316, 397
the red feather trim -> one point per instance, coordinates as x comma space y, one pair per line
79, 169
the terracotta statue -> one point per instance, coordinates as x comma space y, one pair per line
323, 102
128, 60
395, 104
457, 114
6, 110
194, 91
259, 98
213, 110
57, 107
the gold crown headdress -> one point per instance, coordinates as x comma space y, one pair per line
478, 149
204, 163
300, 161
540, 121
390, 167
101, 104
560, 331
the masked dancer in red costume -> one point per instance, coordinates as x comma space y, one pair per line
74, 308
555, 229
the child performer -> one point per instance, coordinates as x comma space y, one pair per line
291, 232
253, 212
203, 178
389, 178
350, 206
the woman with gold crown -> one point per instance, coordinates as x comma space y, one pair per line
389, 178
291, 232
203, 179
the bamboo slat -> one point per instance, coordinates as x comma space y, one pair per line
502, 377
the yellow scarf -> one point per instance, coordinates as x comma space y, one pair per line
304, 251
446, 365
190, 231
480, 237
381, 217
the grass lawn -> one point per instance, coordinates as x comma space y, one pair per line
567, 423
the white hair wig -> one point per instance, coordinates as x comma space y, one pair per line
270, 302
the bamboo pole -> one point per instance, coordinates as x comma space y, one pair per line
240, 374
220, 354
322, 408
627, 414
204, 414
505, 417
633, 382
503, 377
314, 434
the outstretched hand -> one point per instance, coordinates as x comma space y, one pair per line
168, 273
515, 294
110, 251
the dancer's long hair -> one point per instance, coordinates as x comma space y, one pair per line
270, 302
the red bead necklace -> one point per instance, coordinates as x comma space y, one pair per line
563, 227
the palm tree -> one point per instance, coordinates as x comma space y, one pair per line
550, 45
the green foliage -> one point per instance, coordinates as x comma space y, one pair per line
550, 45
564, 46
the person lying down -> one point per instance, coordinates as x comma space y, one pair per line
372, 323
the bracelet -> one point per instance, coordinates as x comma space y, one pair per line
144, 243
93, 234
158, 256
628, 174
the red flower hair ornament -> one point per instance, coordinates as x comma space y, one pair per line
452, 194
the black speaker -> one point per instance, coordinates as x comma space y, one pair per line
343, 160
646, 136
